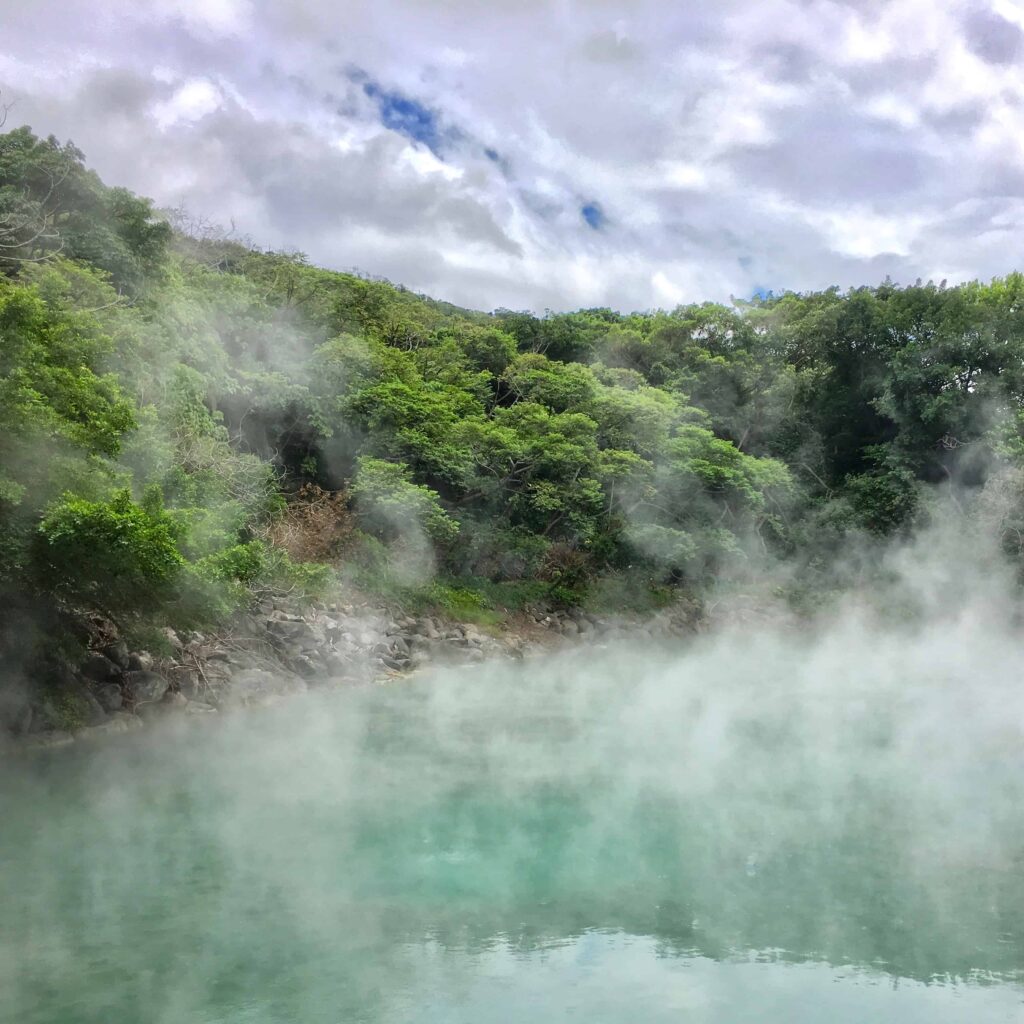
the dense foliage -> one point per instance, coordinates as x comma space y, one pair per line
168, 394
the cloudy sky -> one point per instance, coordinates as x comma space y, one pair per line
535, 154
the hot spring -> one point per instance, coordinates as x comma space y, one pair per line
756, 828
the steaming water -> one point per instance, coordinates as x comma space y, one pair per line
749, 833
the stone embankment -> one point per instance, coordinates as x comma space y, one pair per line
278, 649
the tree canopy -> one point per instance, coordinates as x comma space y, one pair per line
670, 449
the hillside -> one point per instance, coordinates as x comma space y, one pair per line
188, 422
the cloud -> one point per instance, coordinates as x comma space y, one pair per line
992, 37
475, 153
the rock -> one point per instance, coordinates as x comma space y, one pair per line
146, 687
172, 638
286, 629
197, 707
109, 696
191, 684
94, 711
304, 666
99, 667
173, 699
117, 653
140, 661
68, 708
116, 723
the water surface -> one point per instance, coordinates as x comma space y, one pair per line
723, 837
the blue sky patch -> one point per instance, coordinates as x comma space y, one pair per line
408, 117
593, 215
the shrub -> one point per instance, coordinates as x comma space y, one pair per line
116, 556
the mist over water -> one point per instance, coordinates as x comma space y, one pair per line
760, 826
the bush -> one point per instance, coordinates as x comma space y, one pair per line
245, 568
117, 556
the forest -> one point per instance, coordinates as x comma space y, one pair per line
187, 420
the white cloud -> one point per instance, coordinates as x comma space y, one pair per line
191, 101
736, 145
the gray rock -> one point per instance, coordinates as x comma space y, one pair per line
140, 661
286, 629
94, 712
68, 708
99, 667
146, 687
117, 653
116, 723
304, 666
109, 696
191, 684
172, 638
197, 707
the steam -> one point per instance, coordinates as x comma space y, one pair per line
848, 794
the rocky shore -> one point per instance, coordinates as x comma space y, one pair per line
281, 648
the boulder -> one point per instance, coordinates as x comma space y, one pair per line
118, 722
117, 653
99, 667
67, 708
109, 696
172, 638
304, 666
286, 629
146, 687
140, 661
191, 684
197, 707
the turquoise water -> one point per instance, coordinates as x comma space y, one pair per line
715, 839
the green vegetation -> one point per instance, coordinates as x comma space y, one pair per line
169, 397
